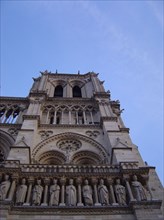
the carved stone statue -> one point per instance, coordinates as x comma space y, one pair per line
4, 187
21, 192
138, 190
71, 198
87, 194
37, 193
103, 193
120, 193
54, 193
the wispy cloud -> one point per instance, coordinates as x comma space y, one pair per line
122, 41
157, 8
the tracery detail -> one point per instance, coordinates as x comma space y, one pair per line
71, 145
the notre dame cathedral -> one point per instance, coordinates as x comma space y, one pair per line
65, 153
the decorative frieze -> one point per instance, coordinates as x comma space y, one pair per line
75, 191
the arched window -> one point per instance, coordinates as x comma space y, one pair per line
76, 91
58, 118
51, 118
58, 91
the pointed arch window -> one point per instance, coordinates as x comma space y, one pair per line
77, 91
58, 91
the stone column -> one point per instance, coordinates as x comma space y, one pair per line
62, 117
79, 181
126, 179
84, 116
77, 120
12, 189
31, 181
62, 181
47, 117
94, 182
113, 199
46, 182
91, 117
54, 117
69, 117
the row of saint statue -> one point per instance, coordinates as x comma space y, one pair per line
70, 195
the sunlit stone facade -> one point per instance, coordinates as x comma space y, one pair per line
65, 153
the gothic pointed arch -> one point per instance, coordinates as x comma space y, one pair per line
6, 141
77, 82
76, 88
58, 87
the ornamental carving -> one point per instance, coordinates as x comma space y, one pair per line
92, 134
69, 145
13, 131
45, 134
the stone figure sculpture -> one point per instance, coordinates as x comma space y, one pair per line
71, 194
37, 193
4, 187
120, 193
87, 194
103, 193
21, 192
54, 193
138, 190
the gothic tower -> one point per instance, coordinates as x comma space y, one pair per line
65, 153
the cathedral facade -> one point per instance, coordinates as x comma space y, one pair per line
65, 153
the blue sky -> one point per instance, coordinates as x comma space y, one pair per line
120, 40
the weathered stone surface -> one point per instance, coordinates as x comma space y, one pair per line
69, 132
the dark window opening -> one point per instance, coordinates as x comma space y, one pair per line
58, 91
76, 91
58, 120
51, 117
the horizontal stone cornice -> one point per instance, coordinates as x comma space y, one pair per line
8, 98
152, 204
31, 117
101, 95
69, 126
68, 210
106, 118
10, 125
72, 170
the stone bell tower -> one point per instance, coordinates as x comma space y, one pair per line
65, 151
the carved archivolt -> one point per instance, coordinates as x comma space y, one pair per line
76, 82
86, 157
58, 82
75, 140
52, 157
